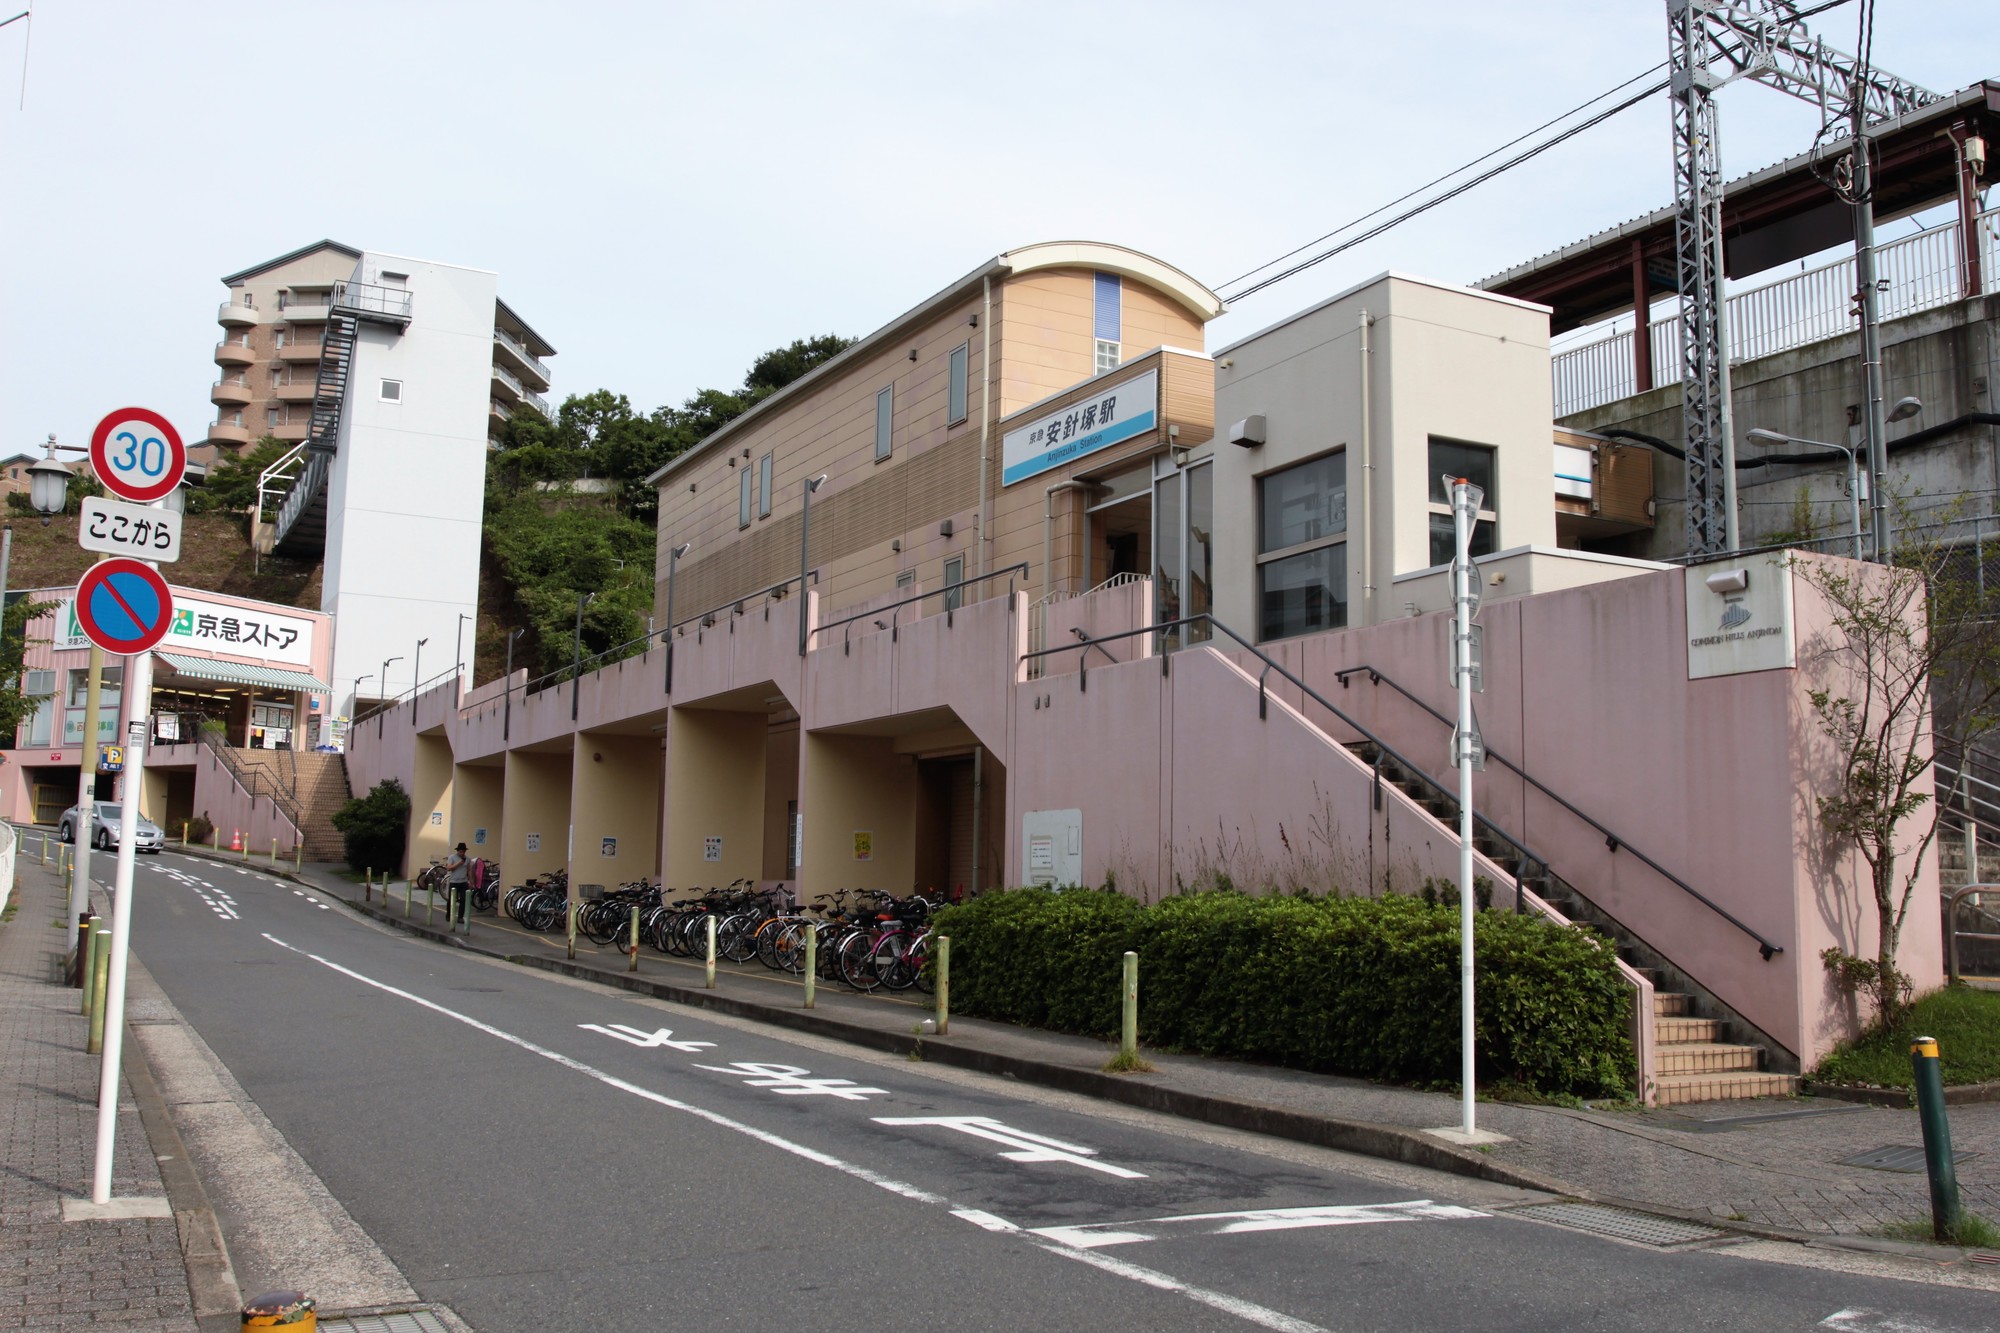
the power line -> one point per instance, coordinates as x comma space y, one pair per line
1456, 190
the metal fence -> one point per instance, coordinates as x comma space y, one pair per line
1916, 273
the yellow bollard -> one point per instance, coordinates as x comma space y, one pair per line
274, 853
86, 950
943, 985
45, 849
215, 841
299, 856
406, 900
711, 951
100, 979
1128, 1038
572, 928
184, 834
812, 965
633, 966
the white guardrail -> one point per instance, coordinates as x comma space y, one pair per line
1920, 273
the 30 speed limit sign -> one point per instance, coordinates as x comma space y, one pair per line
137, 454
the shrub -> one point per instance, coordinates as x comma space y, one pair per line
200, 829
374, 827
1357, 986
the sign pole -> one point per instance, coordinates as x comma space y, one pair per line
1465, 513
86, 793
124, 603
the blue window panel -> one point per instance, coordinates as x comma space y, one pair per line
1109, 325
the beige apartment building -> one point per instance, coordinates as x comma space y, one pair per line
934, 436
273, 328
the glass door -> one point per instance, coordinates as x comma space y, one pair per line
1183, 549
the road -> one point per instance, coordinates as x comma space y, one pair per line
539, 1154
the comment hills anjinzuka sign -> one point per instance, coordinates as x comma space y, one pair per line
1105, 418
214, 627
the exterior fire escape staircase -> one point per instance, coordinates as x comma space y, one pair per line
300, 525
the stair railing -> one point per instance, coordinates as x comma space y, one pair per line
1765, 947
1612, 841
248, 779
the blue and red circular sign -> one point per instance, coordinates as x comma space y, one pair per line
124, 605
137, 454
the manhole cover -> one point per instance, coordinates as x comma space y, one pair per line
1897, 1157
412, 1321
1621, 1223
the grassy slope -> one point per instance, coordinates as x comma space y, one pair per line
215, 556
1966, 1024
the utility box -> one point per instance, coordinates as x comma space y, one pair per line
1052, 848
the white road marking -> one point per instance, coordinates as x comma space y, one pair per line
983, 1219
1875, 1321
1024, 1147
1248, 1311
793, 1081
662, 1037
1096, 1235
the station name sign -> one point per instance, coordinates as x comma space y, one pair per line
1066, 434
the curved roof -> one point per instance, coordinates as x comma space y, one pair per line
1163, 277
1202, 303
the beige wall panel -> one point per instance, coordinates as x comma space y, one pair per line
535, 801
716, 790
857, 784
781, 787
616, 794
430, 794
476, 808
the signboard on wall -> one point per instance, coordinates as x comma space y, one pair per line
1108, 417
608, 847
1739, 616
534, 842
711, 849
214, 627
864, 845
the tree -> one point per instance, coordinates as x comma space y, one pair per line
232, 483
375, 827
1913, 649
16, 707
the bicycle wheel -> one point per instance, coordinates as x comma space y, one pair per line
920, 959
735, 938
856, 963
890, 961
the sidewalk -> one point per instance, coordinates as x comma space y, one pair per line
127, 1273
1773, 1165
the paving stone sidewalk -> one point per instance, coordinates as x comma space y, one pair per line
1773, 1163
54, 1274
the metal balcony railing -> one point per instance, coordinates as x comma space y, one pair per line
368, 299
1919, 272
520, 349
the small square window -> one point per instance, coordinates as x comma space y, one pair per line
392, 391
1108, 357
905, 577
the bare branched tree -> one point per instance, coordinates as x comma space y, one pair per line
1918, 645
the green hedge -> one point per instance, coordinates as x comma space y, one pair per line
1359, 986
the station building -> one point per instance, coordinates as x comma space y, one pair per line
1027, 586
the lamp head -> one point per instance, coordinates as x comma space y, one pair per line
680, 550
1770, 436
815, 483
48, 484
1906, 408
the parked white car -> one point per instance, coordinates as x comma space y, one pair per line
104, 828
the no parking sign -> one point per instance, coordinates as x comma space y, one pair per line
124, 606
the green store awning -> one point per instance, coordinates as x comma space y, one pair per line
242, 673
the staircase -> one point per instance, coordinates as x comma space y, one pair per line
300, 526
307, 786
1692, 1029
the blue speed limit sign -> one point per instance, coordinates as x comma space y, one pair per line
137, 454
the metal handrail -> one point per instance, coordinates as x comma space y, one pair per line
1951, 925
411, 695
1611, 840
1764, 946
895, 608
1527, 855
246, 780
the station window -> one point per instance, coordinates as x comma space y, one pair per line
764, 467
954, 580
1302, 548
1474, 462
1107, 355
885, 413
961, 361
744, 496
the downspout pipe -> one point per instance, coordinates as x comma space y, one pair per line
1367, 478
985, 409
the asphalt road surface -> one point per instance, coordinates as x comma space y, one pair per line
543, 1155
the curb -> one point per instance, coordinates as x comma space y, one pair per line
216, 1300
1903, 1099
1411, 1147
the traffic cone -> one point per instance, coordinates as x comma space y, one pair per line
236, 840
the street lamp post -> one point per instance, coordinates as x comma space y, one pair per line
805, 531
458, 654
674, 555
507, 709
382, 708
576, 657
1904, 409
417, 677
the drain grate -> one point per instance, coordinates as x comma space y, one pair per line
1897, 1157
1983, 1258
1621, 1223
411, 1321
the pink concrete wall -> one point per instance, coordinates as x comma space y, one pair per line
964, 661
228, 806
1099, 614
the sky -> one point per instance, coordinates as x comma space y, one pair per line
667, 190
